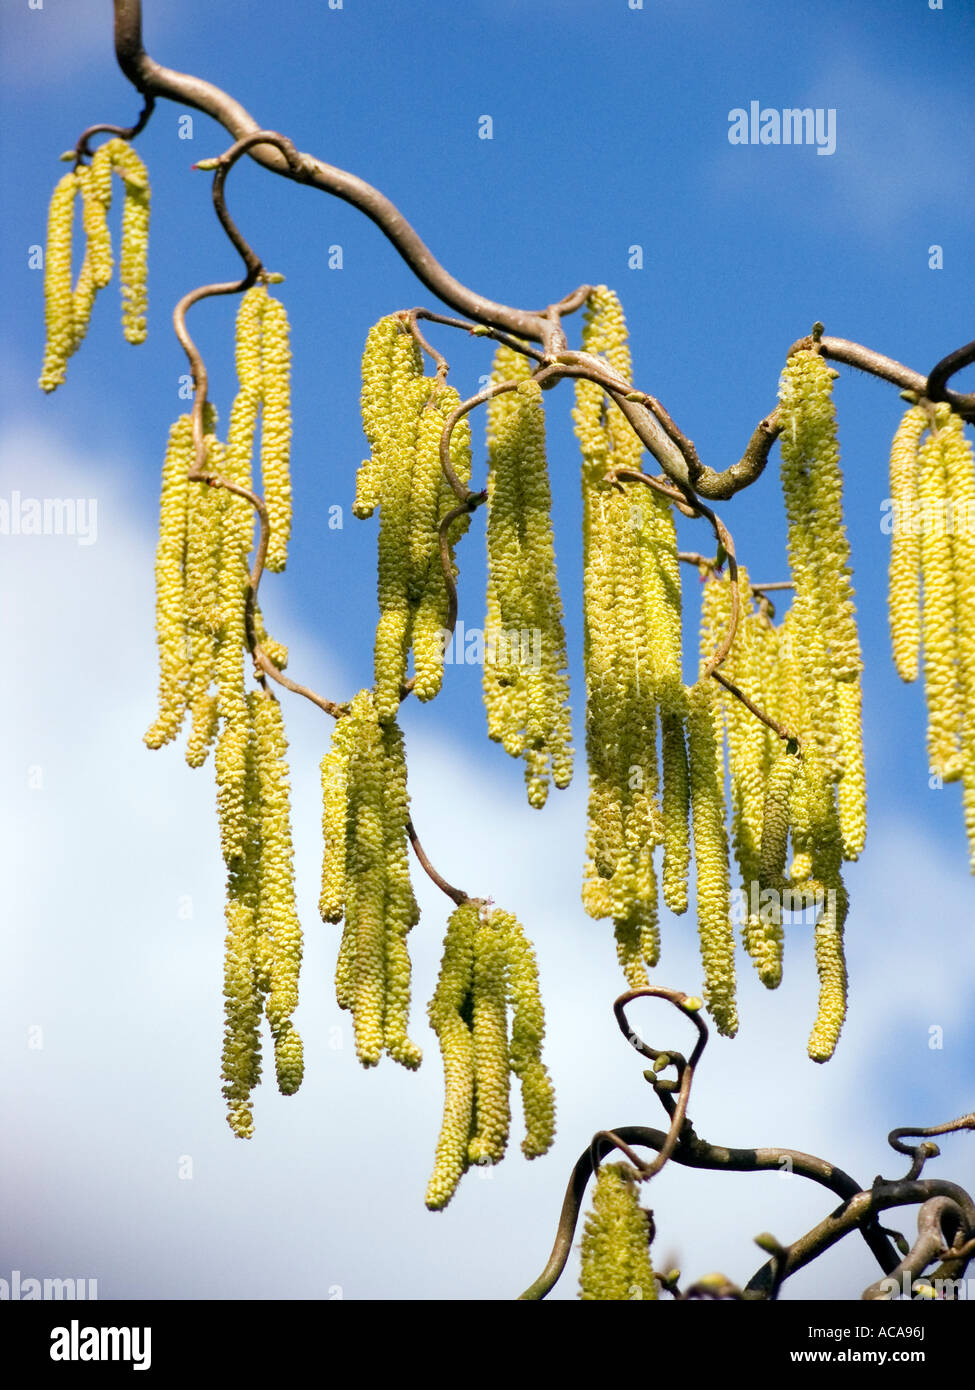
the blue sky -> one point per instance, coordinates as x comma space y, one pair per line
609, 130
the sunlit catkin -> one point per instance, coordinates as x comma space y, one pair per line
58, 295
711, 859
631, 602
492, 1113
941, 666
527, 1034
905, 544
170, 591
450, 1003
525, 668
133, 262
278, 914
365, 878
276, 430
616, 1240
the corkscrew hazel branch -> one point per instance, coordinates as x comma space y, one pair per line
82, 149
935, 1219
934, 388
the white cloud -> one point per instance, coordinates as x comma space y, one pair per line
329, 1193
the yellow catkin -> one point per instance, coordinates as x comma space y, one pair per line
852, 786
170, 593
941, 666
394, 589
631, 603
775, 821
365, 876
366, 892
960, 477
133, 262
400, 909
676, 806
335, 810
243, 967
818, 549
711, 859
489, 1029
447, 1008
616, 1240
58, 295
390, 362
278, 917
527, 699
817, 832
527, 1033
905, 545
276, 430
429, 615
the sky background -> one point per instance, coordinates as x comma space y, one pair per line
609, 131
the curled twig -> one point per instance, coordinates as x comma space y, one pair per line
82, 149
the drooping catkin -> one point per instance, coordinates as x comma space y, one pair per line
243, 964
711, 859
616, 1240
489, 1029
365, 879
433, 501
527, 1034
68, 307
941, 667
404, 415
447, 1009
58, 290
278, 913
818, 824
905, 544
525, 669
276, 430
488, 967
170, 586
631, 600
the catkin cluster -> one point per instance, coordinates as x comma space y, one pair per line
263, 946
822, 616
616, 1240
632, 610
366, 879
206, 621
68, 306
488, 965
525, 675
932, 484
403, 415
782, 788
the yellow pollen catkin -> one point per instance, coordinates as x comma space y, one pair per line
525, 668
905, 545
631, 603
616, 1240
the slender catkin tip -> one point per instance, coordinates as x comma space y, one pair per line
616, 1240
